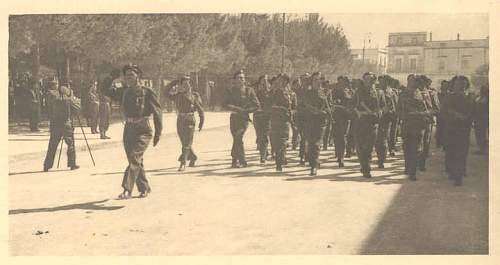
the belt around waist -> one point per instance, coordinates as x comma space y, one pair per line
136, 119
185, 113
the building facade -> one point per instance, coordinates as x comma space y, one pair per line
412, 52
371, 56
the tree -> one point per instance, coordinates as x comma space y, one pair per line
480, 77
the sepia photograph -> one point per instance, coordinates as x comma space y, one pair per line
248, 133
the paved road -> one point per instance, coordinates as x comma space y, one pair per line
214, 210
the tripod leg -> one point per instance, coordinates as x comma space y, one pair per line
60, 151
86, 142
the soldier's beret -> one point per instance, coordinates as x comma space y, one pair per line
132, 67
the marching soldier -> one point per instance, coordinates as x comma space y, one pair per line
293, 124
281, 118
481, 122
62, 105
356, 84
394, 127
342, 101
241, 100
458, 111
93, 107
440, 121
415, 116
369, 105
317, 112
33, 93
327, 138
138, 103
302, 88
388, 117
186, 102
262, 117
432, 102
105, 102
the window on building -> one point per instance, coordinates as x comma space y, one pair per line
442, 65
413, 64
398, 64
465, 64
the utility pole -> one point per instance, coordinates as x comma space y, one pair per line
283, 47
364, 42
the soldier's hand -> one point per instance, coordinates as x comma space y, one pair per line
200, 126
156, 139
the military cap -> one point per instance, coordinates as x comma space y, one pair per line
132, 67
343, 78
460, 77
373, 76
284, 77
115, 72
65, 91
316, 74
185, 77
238, 73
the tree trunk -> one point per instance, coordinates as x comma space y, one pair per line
36, 65
159, 83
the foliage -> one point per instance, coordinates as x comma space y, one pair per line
167, 45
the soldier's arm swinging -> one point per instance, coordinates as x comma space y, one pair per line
199, 109
157, 116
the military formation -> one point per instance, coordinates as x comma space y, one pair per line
358, 116
370, 117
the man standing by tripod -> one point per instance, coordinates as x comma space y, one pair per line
62, 105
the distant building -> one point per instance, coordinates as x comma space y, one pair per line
411, 52
373, 56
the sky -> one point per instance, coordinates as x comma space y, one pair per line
444, 26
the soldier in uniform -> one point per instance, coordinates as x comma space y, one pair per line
440, 121
241, 100
301, 90
93, 107
62, 105
138, 103
356, 84
388, 117
458, 112
415, 115
293, 124
432, 102
33, 101
327, 138
105, 102
281, 118
317, 110
394, 126
186, 102
342, 100
481, 120
369, 105
262, 117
